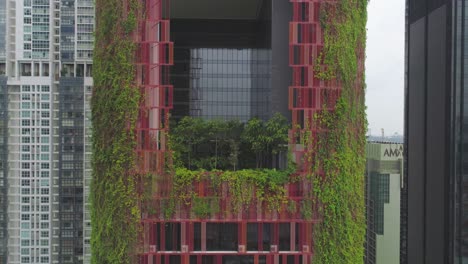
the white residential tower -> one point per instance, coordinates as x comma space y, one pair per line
45, 89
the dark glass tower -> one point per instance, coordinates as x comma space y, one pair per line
435, 195
230, 64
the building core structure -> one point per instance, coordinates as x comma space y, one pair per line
229, 60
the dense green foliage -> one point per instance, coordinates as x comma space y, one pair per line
222, 152
266, 138
115, 213
341, 154
228, 145
263, 185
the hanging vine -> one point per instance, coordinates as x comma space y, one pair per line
340, 189
114, 209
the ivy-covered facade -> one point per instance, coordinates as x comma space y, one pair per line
149, 207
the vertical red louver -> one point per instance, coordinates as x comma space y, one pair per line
308, 94
154, 56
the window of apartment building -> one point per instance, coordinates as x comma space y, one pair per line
45, 106
44, 36
25, 183
25, 243
40, 46
45, 122
25, 105
45, 183
26, 114
45, 69
25, 217
25, 131
25, 234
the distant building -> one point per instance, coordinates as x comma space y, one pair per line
396, 138
383, 183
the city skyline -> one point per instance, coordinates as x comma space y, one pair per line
47, 65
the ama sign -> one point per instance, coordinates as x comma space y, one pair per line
393, 153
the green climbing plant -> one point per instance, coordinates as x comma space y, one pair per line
340, 152
115, 212
228, 145
266, 185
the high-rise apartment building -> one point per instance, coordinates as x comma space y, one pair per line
46, 51
384, 173
434, 199
157, 60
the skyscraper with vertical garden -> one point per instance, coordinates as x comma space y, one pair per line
229, 131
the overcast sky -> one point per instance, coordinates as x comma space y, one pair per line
385, 66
